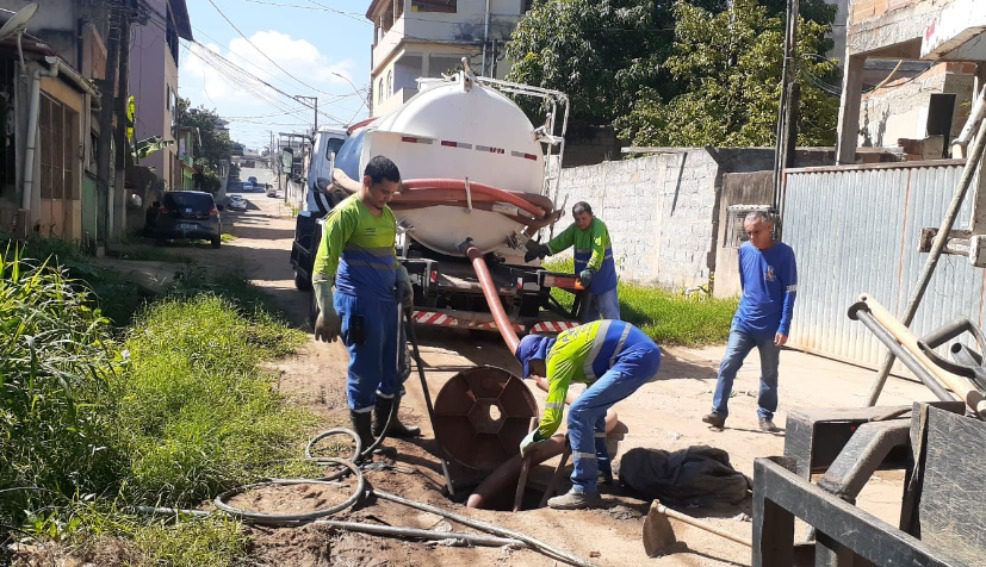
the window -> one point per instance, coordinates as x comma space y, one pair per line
380, 90
390, 82
333, 146
444, 6
58, 150
8, 157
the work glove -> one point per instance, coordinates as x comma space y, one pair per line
536, 250
530, 440
585, 276
405, 292
328, 325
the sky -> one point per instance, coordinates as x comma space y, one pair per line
298, 47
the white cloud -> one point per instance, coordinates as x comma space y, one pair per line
239, 94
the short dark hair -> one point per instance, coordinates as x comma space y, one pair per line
581, 207
380, 168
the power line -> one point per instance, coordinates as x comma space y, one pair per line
261, 52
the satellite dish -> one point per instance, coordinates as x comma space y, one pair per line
18, 22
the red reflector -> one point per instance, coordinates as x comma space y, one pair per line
433, 277
449, 144
530, 157
410, 139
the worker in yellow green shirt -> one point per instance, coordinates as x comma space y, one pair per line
614, 359
357, 256
594, 263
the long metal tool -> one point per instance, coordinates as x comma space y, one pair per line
968, 173
525, 469
412, 337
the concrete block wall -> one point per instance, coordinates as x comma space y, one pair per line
659, 210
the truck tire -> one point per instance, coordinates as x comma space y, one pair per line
301, 282
217, 242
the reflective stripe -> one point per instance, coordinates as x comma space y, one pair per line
366, 264
554, 405
792, 288
597, 345
384, 396
367, 409
619, 344
383, 251
600, 435
578, 456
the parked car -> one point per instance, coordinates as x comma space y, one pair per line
237, 203
252, 180
186, 214
271, 191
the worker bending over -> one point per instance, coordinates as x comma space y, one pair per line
357, 253
613, 358
594, 264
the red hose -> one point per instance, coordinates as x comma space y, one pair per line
414, 185
493, 298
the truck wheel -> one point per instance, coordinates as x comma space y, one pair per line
217, 242
301, 282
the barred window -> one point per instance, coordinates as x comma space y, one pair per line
444, 6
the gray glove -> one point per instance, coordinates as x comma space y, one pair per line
328, 325
405, 292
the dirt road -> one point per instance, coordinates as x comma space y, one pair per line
664, 414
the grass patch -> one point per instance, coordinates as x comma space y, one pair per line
227, 237
667, 317
171, 412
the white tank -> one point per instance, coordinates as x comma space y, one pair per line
458, 129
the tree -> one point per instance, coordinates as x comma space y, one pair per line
728, 65
601, 53
216, 146
611, 57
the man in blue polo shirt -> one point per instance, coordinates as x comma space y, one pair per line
769, 279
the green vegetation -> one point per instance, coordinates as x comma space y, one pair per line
168, 413
669, 318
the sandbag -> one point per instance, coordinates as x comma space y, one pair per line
699, 476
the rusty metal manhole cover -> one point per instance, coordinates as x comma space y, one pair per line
481, 415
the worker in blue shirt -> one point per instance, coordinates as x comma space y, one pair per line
769, 279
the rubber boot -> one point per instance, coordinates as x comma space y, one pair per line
396, 429
362, 427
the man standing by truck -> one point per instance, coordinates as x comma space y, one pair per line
614, 359
769, 280
594, 264
357, 253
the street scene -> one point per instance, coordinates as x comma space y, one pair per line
436, 282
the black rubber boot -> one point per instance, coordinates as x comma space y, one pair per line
362, 427
397, 429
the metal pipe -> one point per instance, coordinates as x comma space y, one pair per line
968, 173
415, 533
861, 313
30, 145
486, 36
503, 323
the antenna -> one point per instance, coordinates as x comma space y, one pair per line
17, 24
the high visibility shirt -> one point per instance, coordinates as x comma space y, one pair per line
583, 354
593, 250
357, 248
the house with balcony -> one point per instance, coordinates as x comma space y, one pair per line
425, 38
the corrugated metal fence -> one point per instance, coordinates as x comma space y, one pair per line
856, 230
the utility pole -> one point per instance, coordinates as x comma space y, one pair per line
314, 105
108, 89
787, 128
120, 135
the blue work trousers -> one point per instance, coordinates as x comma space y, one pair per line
740, 344
370, 332
606, 305
633, 367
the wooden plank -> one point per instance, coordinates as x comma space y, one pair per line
952, 507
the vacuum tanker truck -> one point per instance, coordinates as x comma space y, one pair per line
477, 176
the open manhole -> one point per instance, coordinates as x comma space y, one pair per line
481, 415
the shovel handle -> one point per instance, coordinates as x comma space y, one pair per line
662, 509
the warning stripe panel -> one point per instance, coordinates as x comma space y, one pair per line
443, 320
